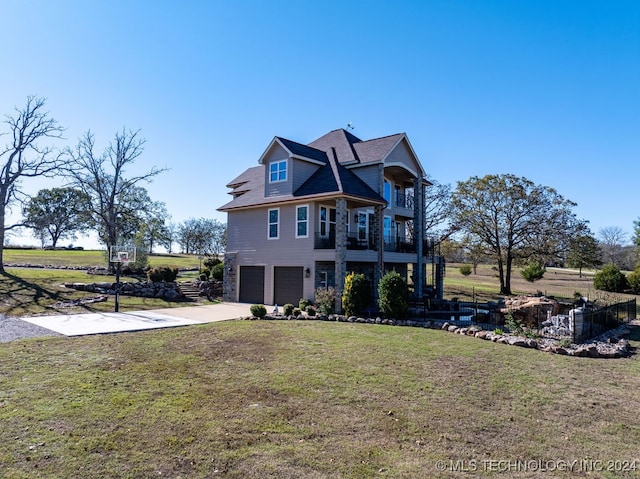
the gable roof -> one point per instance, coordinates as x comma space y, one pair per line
342, 142
334, 153
298, 150
334, 178
376, 150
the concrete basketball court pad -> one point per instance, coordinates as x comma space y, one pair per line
102, 323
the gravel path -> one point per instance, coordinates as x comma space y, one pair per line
14, 328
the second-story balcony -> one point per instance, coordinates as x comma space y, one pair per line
395, 243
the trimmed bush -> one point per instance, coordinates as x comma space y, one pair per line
205, 272
465, 269
356, 294
311, 311
217, 271
303, 303
393, 295
611, 279
287, 309
162, 273
634, 280
210, 262
326, 300
258, 310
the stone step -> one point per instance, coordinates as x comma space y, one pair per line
190, 291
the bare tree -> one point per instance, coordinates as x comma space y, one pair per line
102, 178
612, 241
437, 207
23, 156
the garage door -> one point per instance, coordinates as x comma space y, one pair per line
287, 285
252, 284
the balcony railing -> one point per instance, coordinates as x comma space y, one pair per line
396, 243
354, 242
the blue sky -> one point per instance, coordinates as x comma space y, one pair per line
549, 90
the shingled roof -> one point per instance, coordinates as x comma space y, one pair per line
334, 151
336, 179
305, 151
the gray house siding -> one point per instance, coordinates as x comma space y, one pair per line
301, 171
402, 155
247, 239
369, 174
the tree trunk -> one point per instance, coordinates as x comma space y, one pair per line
501, 275
507, 281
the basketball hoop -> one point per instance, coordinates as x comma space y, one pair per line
120, 255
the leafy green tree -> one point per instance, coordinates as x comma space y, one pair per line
610, 278
584, 252
393, 295
202, 236
56, 214
513, 219
23, 156
355, 295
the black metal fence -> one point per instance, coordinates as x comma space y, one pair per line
599, 320
577, 324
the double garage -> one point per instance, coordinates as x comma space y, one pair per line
287, 285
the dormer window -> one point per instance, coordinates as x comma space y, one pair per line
278, 171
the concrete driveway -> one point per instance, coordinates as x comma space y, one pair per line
99, 323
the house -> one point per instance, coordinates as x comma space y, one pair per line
308, 215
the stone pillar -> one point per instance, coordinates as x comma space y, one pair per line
418, 233
230, 277
341, 250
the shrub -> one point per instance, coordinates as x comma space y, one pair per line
325, 300
203, 277
311, 311
356, 294
296, 312
162, 273
287, 309
303, 303
634, 280
498, 331
210, 262
258, 310
513, 324
465, 269
533, 272
206, 272
393, 294
610, 278
217, 271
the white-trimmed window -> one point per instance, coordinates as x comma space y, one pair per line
302, 221
278, 171
274, 223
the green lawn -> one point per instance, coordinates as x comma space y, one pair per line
92, 258
310, 399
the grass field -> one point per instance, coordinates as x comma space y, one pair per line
36, 291
89, 258
310, 399
556, 281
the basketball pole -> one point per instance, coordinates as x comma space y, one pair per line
117, 306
